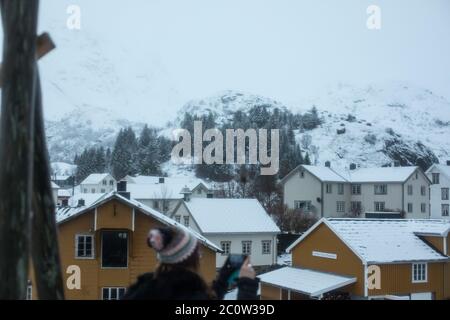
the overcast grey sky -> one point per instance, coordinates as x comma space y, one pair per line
284, 49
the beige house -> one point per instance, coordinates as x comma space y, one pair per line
165, 193
371, 192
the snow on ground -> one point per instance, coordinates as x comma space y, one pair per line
284, 259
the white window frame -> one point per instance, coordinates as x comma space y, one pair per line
444, 193
356, 189
410, 189
266, 244
109, 292
408, 206
77, 236
381, 189
307, 205
329, 188
244, 243
177, 218
341, 188
435, 177
423, 207
186, 221
340, 206
423, 190
425, 273
378, 203
356, 205
223, 245
443, 207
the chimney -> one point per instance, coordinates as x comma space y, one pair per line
448, 162
186, 192
352, 166
161, 179
122, 189
81, 203
328, 164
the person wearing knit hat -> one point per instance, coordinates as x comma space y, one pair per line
177, 275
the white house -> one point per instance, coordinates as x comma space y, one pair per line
240, 226
439, 190
98, 183
164, 193
331, 192
55, 189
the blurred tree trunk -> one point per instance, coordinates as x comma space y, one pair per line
44, 240
19, 19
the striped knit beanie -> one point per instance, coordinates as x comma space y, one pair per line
173, 245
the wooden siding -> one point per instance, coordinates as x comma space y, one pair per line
436, 242
323, 239
269, 292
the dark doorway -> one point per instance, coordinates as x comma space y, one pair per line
114, 249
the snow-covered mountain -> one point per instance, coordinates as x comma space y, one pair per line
382, 123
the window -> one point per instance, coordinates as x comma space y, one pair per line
111, 182
102, 190
112, 293
419, 272
304, 206
266, 246
209, 195
199, 191
356, 206
410, 190
178, 218
186, 221
410, 207
246, 247
340, 206
104, 182
381, 189
156, 204
379, 206
423, 190
85, 190
92, 190
329, 188
444, 193
29, 291
226, 247
356, 189
423, 207
84, 246
114, 249
340, 188
444, 210
435, 178
302, 174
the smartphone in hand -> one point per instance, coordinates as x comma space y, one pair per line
233, 264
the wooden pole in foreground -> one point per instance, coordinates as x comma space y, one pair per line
16, 143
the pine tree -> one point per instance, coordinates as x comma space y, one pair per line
124, 154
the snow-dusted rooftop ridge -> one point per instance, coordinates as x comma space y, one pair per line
95, 178
148, 187
54, 185
445, 169
386, 240
361, 175
230, 216
305, 281
64, 214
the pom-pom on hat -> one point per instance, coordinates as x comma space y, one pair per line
173, 245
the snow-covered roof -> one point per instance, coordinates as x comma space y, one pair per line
95, 178
230, 216
64, 193
148, 187
386, 240
324, 173
309, 282
64, 214
445, 169
383, 174
359, 175
54, 185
